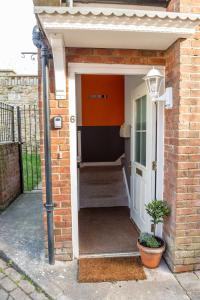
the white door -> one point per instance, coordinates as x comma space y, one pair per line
142, 154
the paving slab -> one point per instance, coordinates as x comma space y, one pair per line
189, 281
22, 242
18, 294
21, 227
38, 296
13, 274
2, 275
197, 273
194, 295
7, 284
3, 264
14, 286
26, 286
3, 294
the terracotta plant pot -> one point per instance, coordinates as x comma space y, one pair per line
151, 256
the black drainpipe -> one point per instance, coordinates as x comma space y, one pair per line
40, 42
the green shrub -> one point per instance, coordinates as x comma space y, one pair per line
157, 210
148, 240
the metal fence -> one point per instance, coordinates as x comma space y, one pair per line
21, 124
29, 138
7, 123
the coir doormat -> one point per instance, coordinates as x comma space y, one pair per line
110, 269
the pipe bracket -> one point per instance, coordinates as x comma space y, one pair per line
49, 207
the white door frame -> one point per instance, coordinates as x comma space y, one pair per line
109, 69
147, 171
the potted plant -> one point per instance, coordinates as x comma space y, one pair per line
150, 246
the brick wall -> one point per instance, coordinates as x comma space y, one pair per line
185, 6
47, 2
22, 91
18, 89
170, 148
174, 5
10, 186
60, 172
115, 56
182, 151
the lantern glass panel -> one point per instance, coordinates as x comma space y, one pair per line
153, 85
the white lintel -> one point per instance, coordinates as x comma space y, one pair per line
58, 50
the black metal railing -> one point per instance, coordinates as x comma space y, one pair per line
20, 124
29, 138
7, 123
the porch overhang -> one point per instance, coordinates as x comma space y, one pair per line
109, 28
116, 28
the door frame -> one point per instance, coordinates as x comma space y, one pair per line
102, 69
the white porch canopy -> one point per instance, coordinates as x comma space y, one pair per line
110, 28
117, 28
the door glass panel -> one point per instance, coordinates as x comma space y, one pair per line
140, 135
138, 114
143, 148
143, 102
137, 147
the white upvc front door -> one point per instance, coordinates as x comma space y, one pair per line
142, 155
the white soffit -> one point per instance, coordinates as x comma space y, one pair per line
117, 28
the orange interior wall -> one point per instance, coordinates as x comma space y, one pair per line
102, 112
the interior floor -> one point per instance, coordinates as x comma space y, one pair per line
106, 230
102, 186
104, 216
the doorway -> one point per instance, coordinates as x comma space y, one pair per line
103, 199
126, 166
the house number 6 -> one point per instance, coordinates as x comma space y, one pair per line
72, 119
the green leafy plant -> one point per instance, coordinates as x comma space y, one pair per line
157, 210
10, 263
148, 240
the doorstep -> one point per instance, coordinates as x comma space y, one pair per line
104, 255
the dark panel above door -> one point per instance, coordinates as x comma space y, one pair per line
101, 143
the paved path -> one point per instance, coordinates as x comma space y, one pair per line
21, 240
15, 286
190, 282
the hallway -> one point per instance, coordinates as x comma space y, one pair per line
104, 217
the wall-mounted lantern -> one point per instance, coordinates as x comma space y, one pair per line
154, 80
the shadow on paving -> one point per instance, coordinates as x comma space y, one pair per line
21, 227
